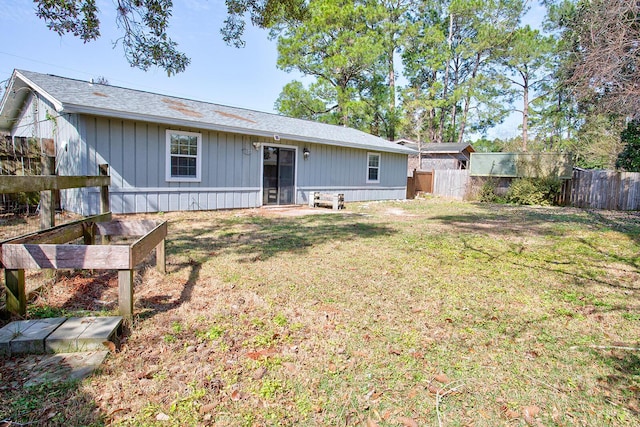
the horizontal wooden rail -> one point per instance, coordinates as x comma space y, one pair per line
19, 184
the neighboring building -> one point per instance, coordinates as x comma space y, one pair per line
438, 156
168, 154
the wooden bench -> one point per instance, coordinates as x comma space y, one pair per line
336, 201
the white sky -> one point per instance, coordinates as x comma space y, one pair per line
218, 73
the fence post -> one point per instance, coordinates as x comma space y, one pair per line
105, 205
47, 201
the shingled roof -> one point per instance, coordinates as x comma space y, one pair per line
82, 97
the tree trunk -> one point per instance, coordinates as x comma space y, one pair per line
525, 109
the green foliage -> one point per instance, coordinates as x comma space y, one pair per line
629, 157
534, 191
488, 193
145, 23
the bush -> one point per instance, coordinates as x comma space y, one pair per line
488, 193
534, 191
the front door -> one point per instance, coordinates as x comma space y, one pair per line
278, 176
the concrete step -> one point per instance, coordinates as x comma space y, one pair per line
59, 335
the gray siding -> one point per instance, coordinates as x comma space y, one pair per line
335, 169
135, 152
231, 168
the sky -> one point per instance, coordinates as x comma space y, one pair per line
218, 73
245, 78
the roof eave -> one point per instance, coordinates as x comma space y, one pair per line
83, 109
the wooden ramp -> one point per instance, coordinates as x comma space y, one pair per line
59, 335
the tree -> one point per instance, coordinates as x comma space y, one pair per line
144, 25
527, 62
604, 66
338, 46
450, 61
629, 157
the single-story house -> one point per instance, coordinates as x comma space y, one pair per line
438, 156
167, 153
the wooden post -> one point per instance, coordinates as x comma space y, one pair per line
125, 293
104, 190
16, 292
47, 201
161, 264
105, 204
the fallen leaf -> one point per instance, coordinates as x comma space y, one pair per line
529, 413
257, 355
433, 389
259, 373
290, 367
205, 409
235, 395
413, 392
509, 414
110, 346
407, 422
371, 423
395, 351
442, 378
162, 417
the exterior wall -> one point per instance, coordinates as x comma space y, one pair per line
431, 164
231, 174
333, 169
136, 154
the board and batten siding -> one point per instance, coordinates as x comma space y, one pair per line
231, 175
333, 169
136, 154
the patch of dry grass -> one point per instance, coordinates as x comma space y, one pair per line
424, 312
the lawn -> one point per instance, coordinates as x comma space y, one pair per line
425, 312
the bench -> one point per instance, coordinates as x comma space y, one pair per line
336, 201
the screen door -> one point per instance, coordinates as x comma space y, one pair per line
278, 177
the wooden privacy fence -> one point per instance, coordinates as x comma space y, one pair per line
595, 189
439, 182
600, 189
451, 183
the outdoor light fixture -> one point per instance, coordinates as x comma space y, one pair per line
256, 145
305, 153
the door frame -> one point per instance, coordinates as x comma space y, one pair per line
295, 170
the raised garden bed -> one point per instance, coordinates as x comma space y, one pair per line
50, 249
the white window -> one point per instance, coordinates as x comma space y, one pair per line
184, 155
373, 167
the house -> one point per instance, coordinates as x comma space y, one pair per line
438, 156
167, 153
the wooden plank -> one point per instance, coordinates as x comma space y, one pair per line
58, 233
15, 291
105, 205
19, 256
161, 260
125, 293
47, 201
19, 184
126, 228
143, 246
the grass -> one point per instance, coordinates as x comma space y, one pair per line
428, 311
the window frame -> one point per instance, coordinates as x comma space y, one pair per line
168, 176
369, 167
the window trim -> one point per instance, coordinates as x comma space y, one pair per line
369, 167
168, 176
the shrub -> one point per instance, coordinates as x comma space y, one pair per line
488, 193
534, 191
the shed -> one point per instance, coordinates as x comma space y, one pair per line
167, 153
438, 156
